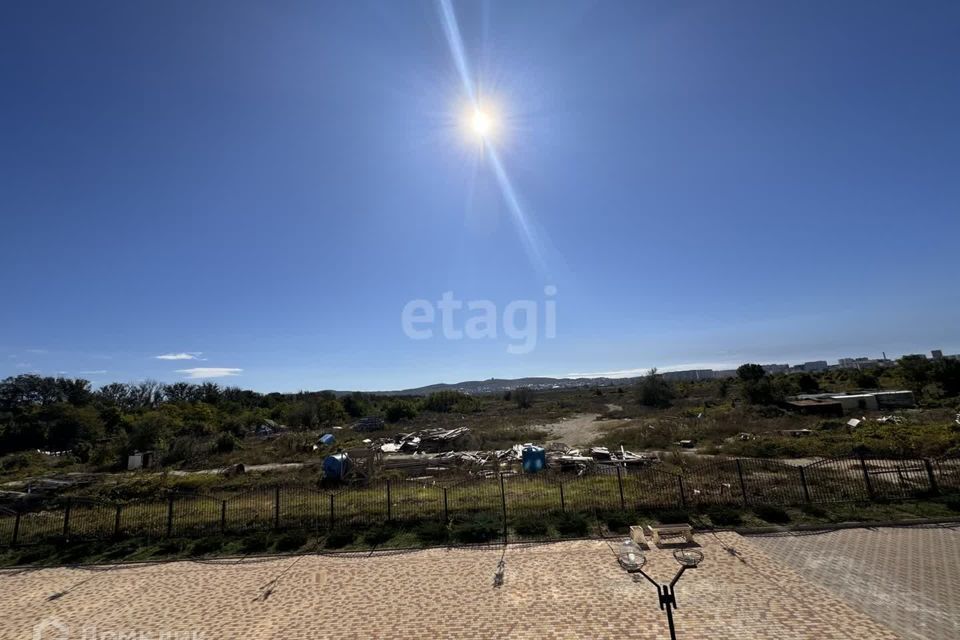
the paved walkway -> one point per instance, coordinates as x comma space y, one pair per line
907, 578
561, 590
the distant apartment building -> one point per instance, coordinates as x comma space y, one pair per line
859, 363
815, 365
776, 368
940, 355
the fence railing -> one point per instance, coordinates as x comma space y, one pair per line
507, 497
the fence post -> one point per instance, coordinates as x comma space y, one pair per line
170, 517
116, 521
743, 485
276, 507
803, 483
389, 507
446, 512
16, 529
934, 488
503, 503
623, 504
563, 502
66, 517
683, 496
331, 511
866, 476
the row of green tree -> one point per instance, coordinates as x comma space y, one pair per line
101, 425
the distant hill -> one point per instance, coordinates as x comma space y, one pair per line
499, 385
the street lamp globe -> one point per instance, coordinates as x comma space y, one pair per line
688, 558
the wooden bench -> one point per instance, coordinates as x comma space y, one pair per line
666, 531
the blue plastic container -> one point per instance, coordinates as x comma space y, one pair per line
327, 439
336, 466
534, 459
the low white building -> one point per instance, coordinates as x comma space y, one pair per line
866, 400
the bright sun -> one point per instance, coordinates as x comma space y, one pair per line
481, 123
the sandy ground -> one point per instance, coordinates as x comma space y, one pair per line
582, 429
559, 590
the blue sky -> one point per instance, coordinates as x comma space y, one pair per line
263, 186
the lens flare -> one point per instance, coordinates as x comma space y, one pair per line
481, 123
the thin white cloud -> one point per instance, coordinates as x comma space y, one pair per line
191, 355
96, 372
209, 372
37, 351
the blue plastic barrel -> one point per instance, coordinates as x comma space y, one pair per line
534, 459
335, 466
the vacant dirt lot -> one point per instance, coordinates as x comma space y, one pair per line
580, 430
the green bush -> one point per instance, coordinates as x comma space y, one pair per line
724, 516
814, 511
123, 549
378, 534
204, 546
952, 503
15, 461
254, 543
450, 401
400, 410
772, 513
673, 516
339, 538
432, 532
477, 529
291, 541
572, 525
620, 521
226, 442
530, 526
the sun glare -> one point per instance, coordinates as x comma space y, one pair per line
481, 123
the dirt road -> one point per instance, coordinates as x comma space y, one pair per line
579, 430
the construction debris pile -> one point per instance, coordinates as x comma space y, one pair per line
423, 441
434, 450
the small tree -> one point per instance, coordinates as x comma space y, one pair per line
915, 371
523, 396
654, 391
867, 380
750, 372
807, 383
400, 410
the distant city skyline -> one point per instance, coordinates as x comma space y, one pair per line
235, 378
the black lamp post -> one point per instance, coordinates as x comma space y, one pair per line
632, 560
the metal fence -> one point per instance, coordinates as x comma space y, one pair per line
509, 498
